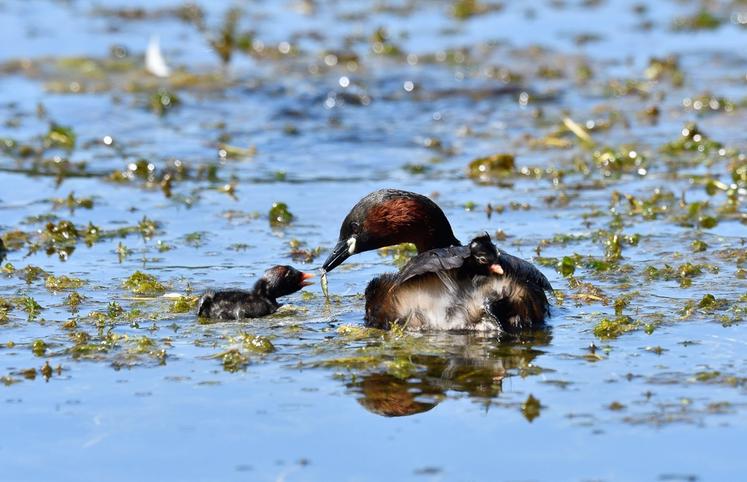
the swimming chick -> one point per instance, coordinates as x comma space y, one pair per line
260, 301
447, 286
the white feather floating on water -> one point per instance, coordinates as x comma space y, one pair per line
154, 61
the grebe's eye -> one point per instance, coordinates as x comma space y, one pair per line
355, 227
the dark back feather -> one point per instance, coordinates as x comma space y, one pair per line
523, 270
433, 261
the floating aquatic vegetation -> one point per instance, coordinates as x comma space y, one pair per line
163, 101
257, 344
707, 102
60, 136
62, 232
46, 370
628, 87
703, 19
73, 301
382, 45
660, 202
85, 347
196, 239
39, 347
707, 304
550, 72
5, 307
280, 215
62, 283
683, 273
495, 166
400, 253
136, 350
226, 151
465, 9
356, 332
233, 360
578, 131
303, 255
696, 214
416, 168
691, 140
623, 301
144, 284
14, 240
71, 202
566, 266
531, 408
608, 328
228, 38
665, 68
624, 159
30, 273
184, 304
586, 292
187, 12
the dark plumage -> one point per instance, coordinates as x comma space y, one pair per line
480, 257
260, 301
447, 285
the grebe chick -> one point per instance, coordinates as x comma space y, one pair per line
260, 301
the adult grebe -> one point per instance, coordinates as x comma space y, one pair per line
447, 286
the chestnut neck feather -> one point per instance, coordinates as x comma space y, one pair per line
411, 220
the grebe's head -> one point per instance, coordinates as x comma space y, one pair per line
388, 217
282, 280
484, 255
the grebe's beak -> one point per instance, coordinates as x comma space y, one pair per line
304, 277
496, 269
340, 253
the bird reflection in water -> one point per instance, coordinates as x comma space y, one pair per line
475, 366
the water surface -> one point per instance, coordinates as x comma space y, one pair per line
628, 188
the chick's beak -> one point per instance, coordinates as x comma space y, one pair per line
304, 277
496, 269
339, 253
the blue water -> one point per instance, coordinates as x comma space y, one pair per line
317, 408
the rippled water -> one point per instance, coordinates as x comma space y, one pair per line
641, 374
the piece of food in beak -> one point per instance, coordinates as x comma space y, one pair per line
325, 288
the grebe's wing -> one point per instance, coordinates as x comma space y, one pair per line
523, 270
433, 261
